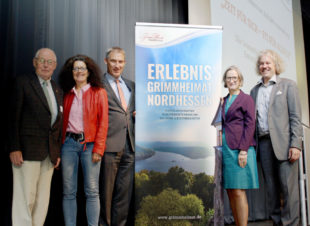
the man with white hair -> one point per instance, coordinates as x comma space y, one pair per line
35, 133
279, 137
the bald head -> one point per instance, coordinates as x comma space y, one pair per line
44, 49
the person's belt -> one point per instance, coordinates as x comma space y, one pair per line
79, 137
264, 136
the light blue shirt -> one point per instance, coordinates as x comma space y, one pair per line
54, 110
262, 104
125, 89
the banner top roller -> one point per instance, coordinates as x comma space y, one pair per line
179, 25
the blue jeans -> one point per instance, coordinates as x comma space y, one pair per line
71, 154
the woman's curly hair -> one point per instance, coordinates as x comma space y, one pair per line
66, 80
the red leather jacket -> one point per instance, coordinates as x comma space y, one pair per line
95, 117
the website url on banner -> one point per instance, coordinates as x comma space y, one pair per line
179, 217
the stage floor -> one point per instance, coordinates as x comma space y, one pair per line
256, 223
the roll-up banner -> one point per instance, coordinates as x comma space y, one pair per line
178, 134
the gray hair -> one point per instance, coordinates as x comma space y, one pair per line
115, 49
39, 50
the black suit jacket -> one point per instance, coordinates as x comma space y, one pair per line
119, 119
30, 124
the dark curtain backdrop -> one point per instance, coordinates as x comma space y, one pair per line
78, 26
68, 27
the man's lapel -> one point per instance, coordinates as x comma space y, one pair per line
274, 90
132, 96
255, 92
38, 89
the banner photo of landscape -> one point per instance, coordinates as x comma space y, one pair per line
178, 88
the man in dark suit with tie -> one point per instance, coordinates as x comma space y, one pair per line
35, 133
117, 168
279, 136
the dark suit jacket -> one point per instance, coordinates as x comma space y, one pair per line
239, 122
284, 117
30, 123
119, 119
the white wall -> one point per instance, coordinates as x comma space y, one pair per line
251, 26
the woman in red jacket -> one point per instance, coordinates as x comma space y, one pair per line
85, 129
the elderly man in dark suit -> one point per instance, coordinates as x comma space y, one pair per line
117, 168
279, 134
36, 122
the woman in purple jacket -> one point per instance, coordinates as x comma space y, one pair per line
239, 157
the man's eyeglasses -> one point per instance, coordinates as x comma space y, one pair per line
231, 79
81, 69
42, 61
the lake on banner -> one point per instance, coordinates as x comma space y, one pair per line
163, 161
